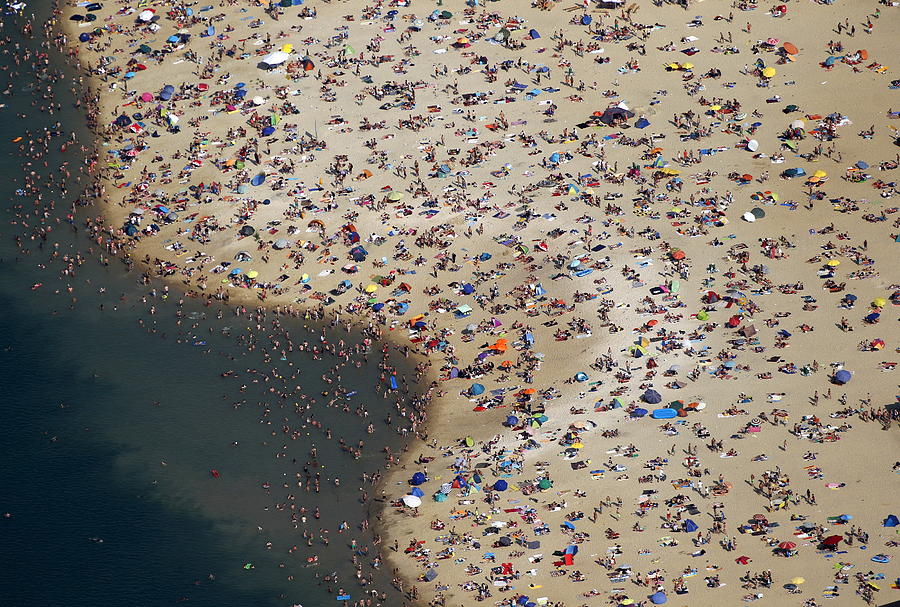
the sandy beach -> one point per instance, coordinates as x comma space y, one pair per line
640, 254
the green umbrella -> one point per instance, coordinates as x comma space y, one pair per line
545, 483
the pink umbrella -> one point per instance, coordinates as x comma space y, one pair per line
146, 97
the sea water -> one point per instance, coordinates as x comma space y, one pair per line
115, 418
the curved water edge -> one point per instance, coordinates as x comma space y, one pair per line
124, 411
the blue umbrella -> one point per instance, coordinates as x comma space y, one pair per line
268, 131
512, 420
501, 485
167, 92
417, 492
658, 598
652, 397
476, 389
843, 376
417, 479
639, 412
862, 165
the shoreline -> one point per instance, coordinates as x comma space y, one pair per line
621, 311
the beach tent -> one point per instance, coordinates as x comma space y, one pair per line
533, 34
642, 123
282, 243
430, 575
615, 114
891, 521
417, 479
417, 492
690, 526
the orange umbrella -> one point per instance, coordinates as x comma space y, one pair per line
652, 323
789, 48
863, 54
678, 254
506, 363
529, 391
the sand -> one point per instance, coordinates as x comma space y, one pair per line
493, 208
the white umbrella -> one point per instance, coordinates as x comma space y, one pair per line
412, 501
798, 124
258, 100
753, 145
749, 217
276, 58
146, 15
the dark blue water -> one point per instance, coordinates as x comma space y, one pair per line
113, 418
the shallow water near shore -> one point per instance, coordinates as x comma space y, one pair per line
112, 431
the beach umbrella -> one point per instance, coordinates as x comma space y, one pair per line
769, 72
395, 196
842, 377
639, 412
789, 48
862, 165
658, 598
820, 174
545, 483
533, 34
282, 243
652, 397
166, 93
642, 123
832, 540
146, 97
371, 288
247, 231
417, 479
411, 501
787, 545
833, 263
758, 212
258, 100
501, 485
798, 124
252, 274
798, 580
417, 492
146, 15
276, 58
268, 131
753, 145
476, 389
879, 302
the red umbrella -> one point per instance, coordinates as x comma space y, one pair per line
742, 560
787, 545
759, 517
832, 540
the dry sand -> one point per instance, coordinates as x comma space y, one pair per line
502, 191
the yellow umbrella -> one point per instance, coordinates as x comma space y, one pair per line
672, 66
252, 274
879, 302
395, 196
687, 66
578, 445
798, 580
820, 173
287, 48
768, 72
715, 107
834, 263
371, 288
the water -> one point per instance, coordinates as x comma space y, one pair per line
112, 428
